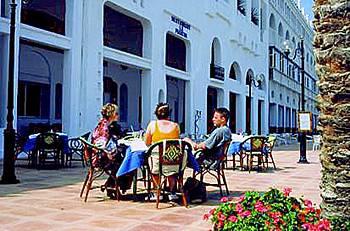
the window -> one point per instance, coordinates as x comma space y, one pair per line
58, 101
33, 99
122, 32
250, 75
241, 5
45, 14
272, 94
123, 103
3, 4
175, 52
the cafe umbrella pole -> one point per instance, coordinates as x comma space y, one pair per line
9, 176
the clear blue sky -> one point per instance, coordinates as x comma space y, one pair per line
307, 4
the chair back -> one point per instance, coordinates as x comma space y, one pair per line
257, 143
19, 143
271, 140
75, 145
171, 152
316, 139
92, 153
48, 141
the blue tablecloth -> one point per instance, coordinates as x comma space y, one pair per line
235, 148
31, 143
134, 160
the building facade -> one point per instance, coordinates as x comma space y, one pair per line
287, 22
73, 56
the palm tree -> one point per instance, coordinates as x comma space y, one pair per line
333, 65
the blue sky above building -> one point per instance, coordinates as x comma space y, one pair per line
307, 4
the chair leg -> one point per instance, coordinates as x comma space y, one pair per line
89, 184
134, 185
250, 159
233, 161
219, 182
184, 199
82, 161
83, 188
224, 180
273, 162
158, 195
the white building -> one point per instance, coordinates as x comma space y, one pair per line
287, 22
71, 56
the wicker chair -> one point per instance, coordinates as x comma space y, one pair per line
214, 166
171, 153
99, 164
257, 149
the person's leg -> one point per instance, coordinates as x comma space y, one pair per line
156, 180
172, 183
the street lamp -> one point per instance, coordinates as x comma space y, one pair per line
257, 81
299, 51
8, 176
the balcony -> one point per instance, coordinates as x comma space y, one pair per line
217, 72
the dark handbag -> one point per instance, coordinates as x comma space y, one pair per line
195, 191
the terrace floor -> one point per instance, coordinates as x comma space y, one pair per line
49, 199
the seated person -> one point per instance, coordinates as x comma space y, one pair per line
158, 130
105, 135
212, 146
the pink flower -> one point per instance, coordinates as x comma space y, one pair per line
246, 213
221, 217
206, 216
233, 218
307, 226
275, 215
212, 211
308, 203
287, 191
323, 225
224, 199
259, 206
239, 208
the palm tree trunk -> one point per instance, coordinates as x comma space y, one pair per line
332, 48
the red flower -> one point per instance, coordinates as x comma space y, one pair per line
308, 203
206, 216
233, 218
224, 199
212, 211
323, 225
275, 215
221, 217
287, 191
239, 208
246, 213
295, 207
301, 217
259, 206
307, 226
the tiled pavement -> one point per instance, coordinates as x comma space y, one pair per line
49, 199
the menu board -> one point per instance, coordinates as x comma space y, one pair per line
304, 121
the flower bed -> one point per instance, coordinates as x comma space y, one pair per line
272, 210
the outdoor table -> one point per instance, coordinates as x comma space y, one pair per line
30, 144
134, 159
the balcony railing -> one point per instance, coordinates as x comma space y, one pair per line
217, 72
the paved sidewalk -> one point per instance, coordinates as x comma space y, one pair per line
49, 199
